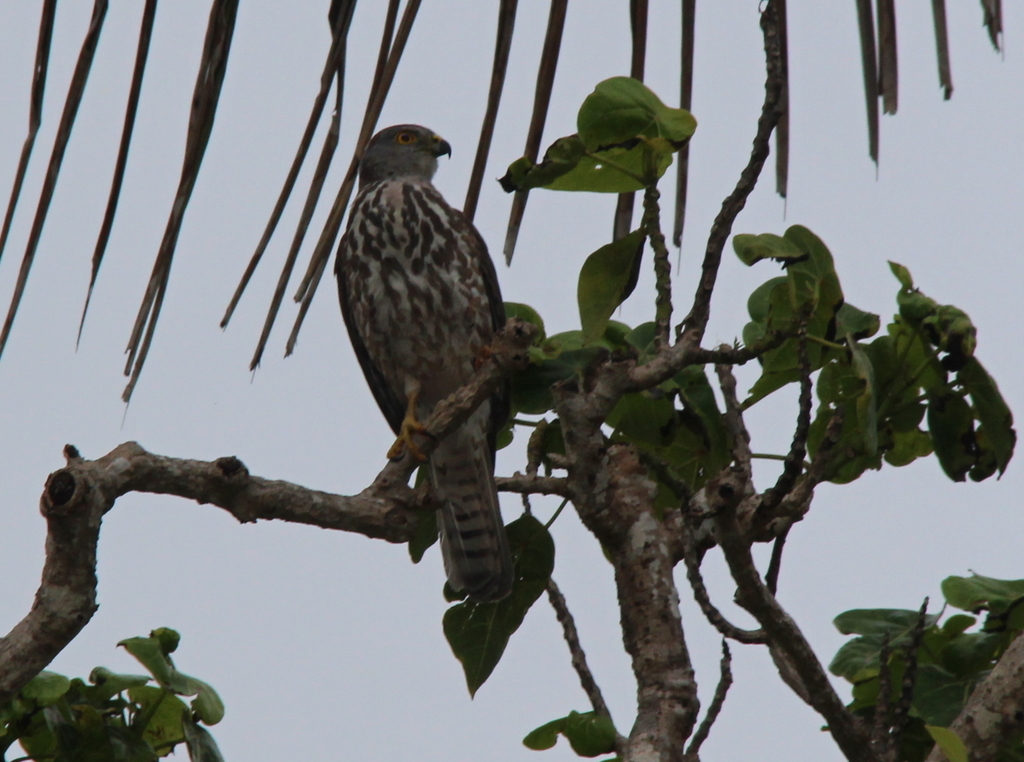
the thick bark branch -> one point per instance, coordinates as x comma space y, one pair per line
794, 656
77, 496
995, 711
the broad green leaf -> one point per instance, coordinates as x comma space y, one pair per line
562, 156
753, 248
544, 737
759, 301
107, 684
479, 632
902, 274
976, 592
969, 654
872, 625
860, 324
991, 409
164, 711
958, 623
939, 695
645, 417
150, 654
949, 742
866, 405
907, 447
602, 171
589, 734
606, 279
568, 166
201, 746
530, 315
46, 688
951, 425
423, 536
531, 388
623, 108
207, 705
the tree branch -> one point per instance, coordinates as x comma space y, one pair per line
532, 485
579, 659
788, 644
994, 713
721, 690
692, 329
77, 496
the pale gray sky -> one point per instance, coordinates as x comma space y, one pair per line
325, 645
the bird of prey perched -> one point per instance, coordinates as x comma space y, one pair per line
421, 302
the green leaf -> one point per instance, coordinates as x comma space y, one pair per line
606, 279
164, 712
531, 388
544, 737
602, 171
107, 684
207, 705
568, 166
951, 425
902, 274
589, 734
424, 535
976, 593
643, 417
939, 695
946, 739
479, 632
873, 626
753, 248
201, 746
167, 638
45, 688
991, 409
623, 108
958, 623
860, 324
907, 447
866, 405
561, 157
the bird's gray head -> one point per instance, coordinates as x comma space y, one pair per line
404, 150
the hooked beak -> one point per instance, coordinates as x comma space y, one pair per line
441, 147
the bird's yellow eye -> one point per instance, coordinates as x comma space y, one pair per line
405, 138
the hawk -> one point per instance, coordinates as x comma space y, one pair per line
420, 299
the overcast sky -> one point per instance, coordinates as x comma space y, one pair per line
326, 645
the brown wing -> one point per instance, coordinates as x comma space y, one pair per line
388, 402
500, 403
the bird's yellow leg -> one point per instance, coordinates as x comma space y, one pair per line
409, 427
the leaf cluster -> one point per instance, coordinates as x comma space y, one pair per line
914, 390
624, 142
115, 717
588, 733
952, 658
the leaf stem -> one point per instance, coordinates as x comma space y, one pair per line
827, 343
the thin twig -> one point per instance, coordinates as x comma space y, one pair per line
579, 659
901, 713
794, 462
700, 594
722, 689
880, 738
696, 321
662, 267
771, 577
733, 418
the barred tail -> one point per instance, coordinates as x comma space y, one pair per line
473, 542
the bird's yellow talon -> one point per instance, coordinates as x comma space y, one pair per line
409, 427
